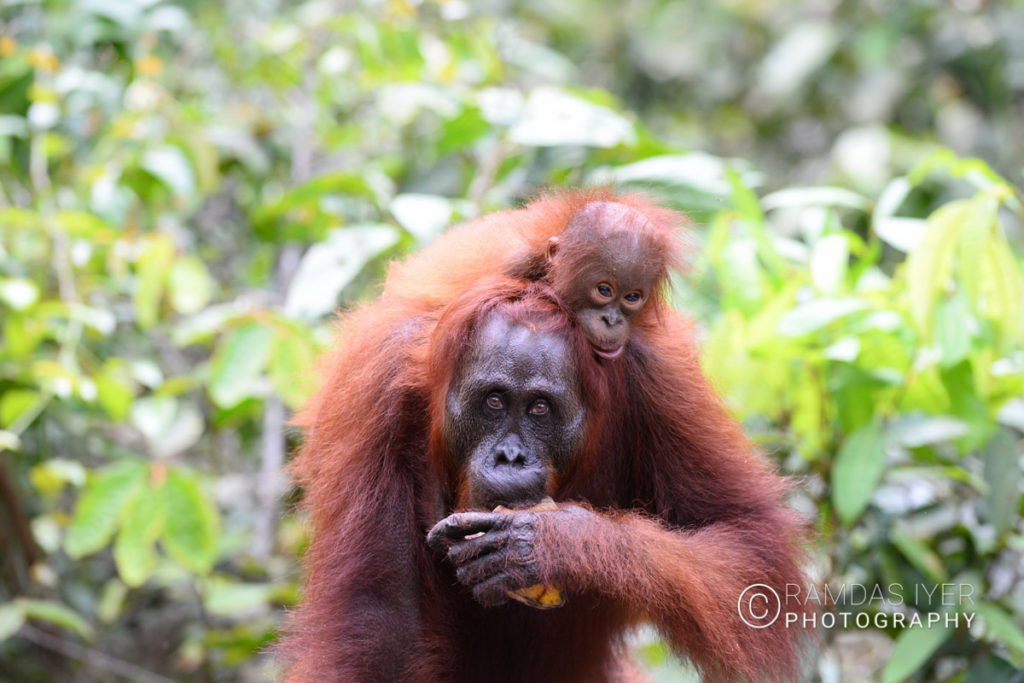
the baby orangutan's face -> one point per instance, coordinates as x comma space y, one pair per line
609, 292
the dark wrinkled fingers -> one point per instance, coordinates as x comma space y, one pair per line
494, 591
464, 551
481, 569
456, 527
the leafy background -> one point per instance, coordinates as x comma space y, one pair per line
187, 190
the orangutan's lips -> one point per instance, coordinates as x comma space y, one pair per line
610, 353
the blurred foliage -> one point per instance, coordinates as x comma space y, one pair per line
188, 190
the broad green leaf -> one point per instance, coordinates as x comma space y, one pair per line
463, 130
904, 234
816, 314
225, 598
926, 392
111, 601
857, 470
974, 170
142, 523
930, 265
308, 195
975, 235
170, 425
238, 364
1002, 289
892, 197
696, 170
171, 167
953, 329
11, 619
913, 648
740, 274
16, 403
328, 267
1002, 473
748, 208
189, 285
191, 533
57, 614
920, 555
1001, 625
151, 276
423, 215
554, 118
115, 389
814, 196
916, 430
292, 355
829, 260
99, 508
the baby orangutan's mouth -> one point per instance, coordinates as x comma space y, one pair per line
610, 353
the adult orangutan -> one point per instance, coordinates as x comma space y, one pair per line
664, 512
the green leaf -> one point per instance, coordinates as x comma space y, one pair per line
975, 235
829, 261
191, 532
328, 267
11, 619
15, 403
143, 522
151, 275
857, 470
293, 354
1002, 626
815, 196
920, 555
303, 200
189, 285
1002, 290
816, 314
913, 648
99, 508
744, 200
238, 364
170, 426
463, 130
930, 265
57, 614
952, 330
425, 216
225, 598
115, 389
740, 274
169, 165
1002, 473
554, 118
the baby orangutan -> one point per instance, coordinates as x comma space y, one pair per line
607, 256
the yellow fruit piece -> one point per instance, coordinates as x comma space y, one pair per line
539, 595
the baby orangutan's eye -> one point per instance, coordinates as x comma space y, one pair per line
634, 297
604, 290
